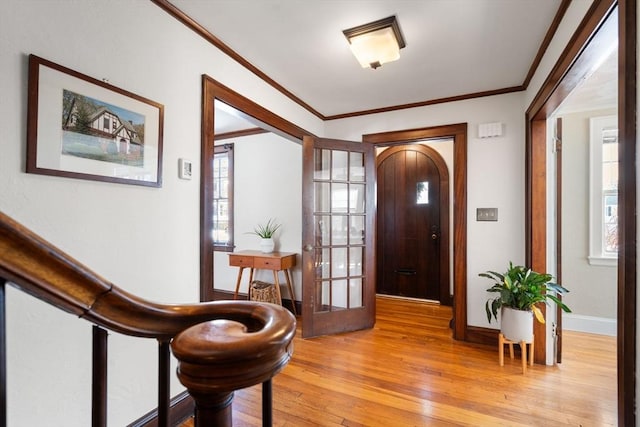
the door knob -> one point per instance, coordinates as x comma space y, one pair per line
308, 248
434, 236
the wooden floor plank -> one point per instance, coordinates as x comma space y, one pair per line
408, 371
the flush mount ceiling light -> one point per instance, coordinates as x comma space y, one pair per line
376, 43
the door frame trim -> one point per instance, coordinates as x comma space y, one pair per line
458, 132
443, 220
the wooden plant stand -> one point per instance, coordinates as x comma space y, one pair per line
523, 349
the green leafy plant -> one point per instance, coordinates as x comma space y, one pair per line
267, 230
521, 288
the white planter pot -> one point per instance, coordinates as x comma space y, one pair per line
516, 325
267, 245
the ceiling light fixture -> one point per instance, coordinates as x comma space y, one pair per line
376, 43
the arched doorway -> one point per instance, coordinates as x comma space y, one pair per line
458, 133
413, 223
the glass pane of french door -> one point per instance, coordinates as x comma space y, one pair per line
340, 200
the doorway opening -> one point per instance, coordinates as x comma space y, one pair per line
575, 63
458, 134
214, 95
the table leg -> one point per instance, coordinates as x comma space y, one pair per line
240, 270
275, 277
287, 275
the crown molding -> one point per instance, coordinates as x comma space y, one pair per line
191, 23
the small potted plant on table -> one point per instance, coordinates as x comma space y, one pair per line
266, 232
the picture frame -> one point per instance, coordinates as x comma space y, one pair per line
81, 127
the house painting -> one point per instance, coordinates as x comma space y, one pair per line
114, 137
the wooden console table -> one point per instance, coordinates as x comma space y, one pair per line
275, 261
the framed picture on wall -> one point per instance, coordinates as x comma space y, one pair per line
81, 127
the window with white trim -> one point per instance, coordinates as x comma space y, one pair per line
603, 236
222, 232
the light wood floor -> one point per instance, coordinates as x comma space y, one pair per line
408, 371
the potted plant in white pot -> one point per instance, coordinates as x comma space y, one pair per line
266, 232
520, 289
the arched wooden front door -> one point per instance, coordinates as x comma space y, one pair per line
413, 223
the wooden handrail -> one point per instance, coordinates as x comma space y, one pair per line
37, 267
44, 271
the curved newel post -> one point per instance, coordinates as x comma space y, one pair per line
217, 357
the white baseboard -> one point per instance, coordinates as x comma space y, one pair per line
590, 324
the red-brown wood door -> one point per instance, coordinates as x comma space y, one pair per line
338, 271
412, 225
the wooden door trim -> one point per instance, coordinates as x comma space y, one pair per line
563, 78
459, 134
445, 288
627, 256
536, 165
573, 64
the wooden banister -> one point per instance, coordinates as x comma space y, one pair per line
217, 357
217, 332
44, 271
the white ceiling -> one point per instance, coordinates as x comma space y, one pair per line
454, 47
598, 92
599, 88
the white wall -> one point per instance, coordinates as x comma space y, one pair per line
267, 184
495, 179
140, 48
155, 252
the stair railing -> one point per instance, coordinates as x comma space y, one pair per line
221, 346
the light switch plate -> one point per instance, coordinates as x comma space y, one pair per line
487, 214
184, 169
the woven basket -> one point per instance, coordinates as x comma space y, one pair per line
263, 292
